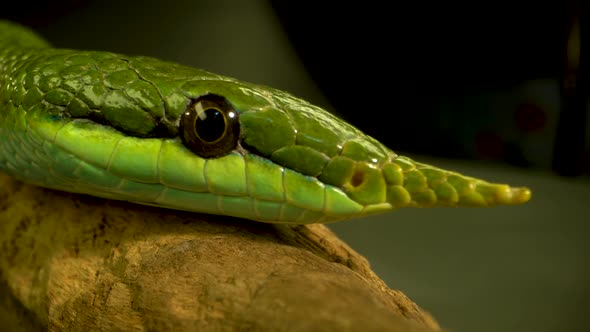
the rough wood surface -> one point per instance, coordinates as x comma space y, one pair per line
73, 262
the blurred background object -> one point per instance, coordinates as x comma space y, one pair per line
495, 89
570, 151
486, 80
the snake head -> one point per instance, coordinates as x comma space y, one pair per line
157, 133
330, 169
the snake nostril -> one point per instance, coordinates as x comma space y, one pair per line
357, 178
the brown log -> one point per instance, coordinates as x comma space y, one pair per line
78, 263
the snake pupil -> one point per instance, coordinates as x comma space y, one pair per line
210, 125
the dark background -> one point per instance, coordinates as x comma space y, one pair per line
483, 88
452, 71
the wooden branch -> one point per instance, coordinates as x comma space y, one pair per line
74, 262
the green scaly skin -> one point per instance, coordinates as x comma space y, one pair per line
107, 125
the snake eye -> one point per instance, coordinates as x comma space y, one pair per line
210, 127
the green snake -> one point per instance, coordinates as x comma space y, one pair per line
153, 132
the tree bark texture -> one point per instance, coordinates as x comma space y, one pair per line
78, 263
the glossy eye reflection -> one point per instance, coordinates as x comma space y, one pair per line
210, 126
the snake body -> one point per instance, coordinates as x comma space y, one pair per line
143, 130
